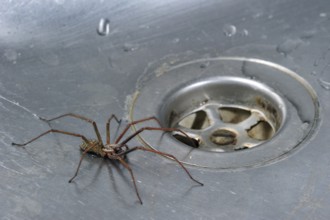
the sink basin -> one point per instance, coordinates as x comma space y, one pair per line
97, 58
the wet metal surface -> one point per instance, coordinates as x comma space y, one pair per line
89, 57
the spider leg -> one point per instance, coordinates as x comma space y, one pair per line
136, 122
108, 126
163, 154
53, 131
154, 129
99, 138
81, 159
126, 165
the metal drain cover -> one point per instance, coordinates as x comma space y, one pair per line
239, 112
235, 113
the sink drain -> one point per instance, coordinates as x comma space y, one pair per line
239, 112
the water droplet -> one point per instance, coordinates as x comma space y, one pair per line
324, 80
204, 65
59, 2
144, 26
264, 37
129, 47
176, 40
50, 58
11, 55
325, 84
232, 192
308, 34
104, 27
257, 15
229, 30
323, 15
244, 32
305, 125
288, 46
204, 102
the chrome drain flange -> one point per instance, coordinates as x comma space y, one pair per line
239, 112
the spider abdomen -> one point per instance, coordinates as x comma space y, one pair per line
97, 149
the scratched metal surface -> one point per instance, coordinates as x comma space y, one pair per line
53, 61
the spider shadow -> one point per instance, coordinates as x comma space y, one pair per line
120, 170
110, 165
90, 165
189, 190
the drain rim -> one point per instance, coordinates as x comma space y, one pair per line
138, 109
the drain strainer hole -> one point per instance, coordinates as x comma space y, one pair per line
188, 141
197, 120
261, 131
233, 115
223, 137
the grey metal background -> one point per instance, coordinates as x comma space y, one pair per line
52, 61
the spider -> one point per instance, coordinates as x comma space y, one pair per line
117, 150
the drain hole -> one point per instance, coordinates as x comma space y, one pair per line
188, 141
233, 115
261, 131
242, 148
197, 120
223, 137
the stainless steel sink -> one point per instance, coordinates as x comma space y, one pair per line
169, 59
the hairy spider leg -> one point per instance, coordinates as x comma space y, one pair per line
123, 143
81, 159
136, 122
162, 154
108, 126
66, 133
53, 131
99, 138
127, 166
152, 129
158, 122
